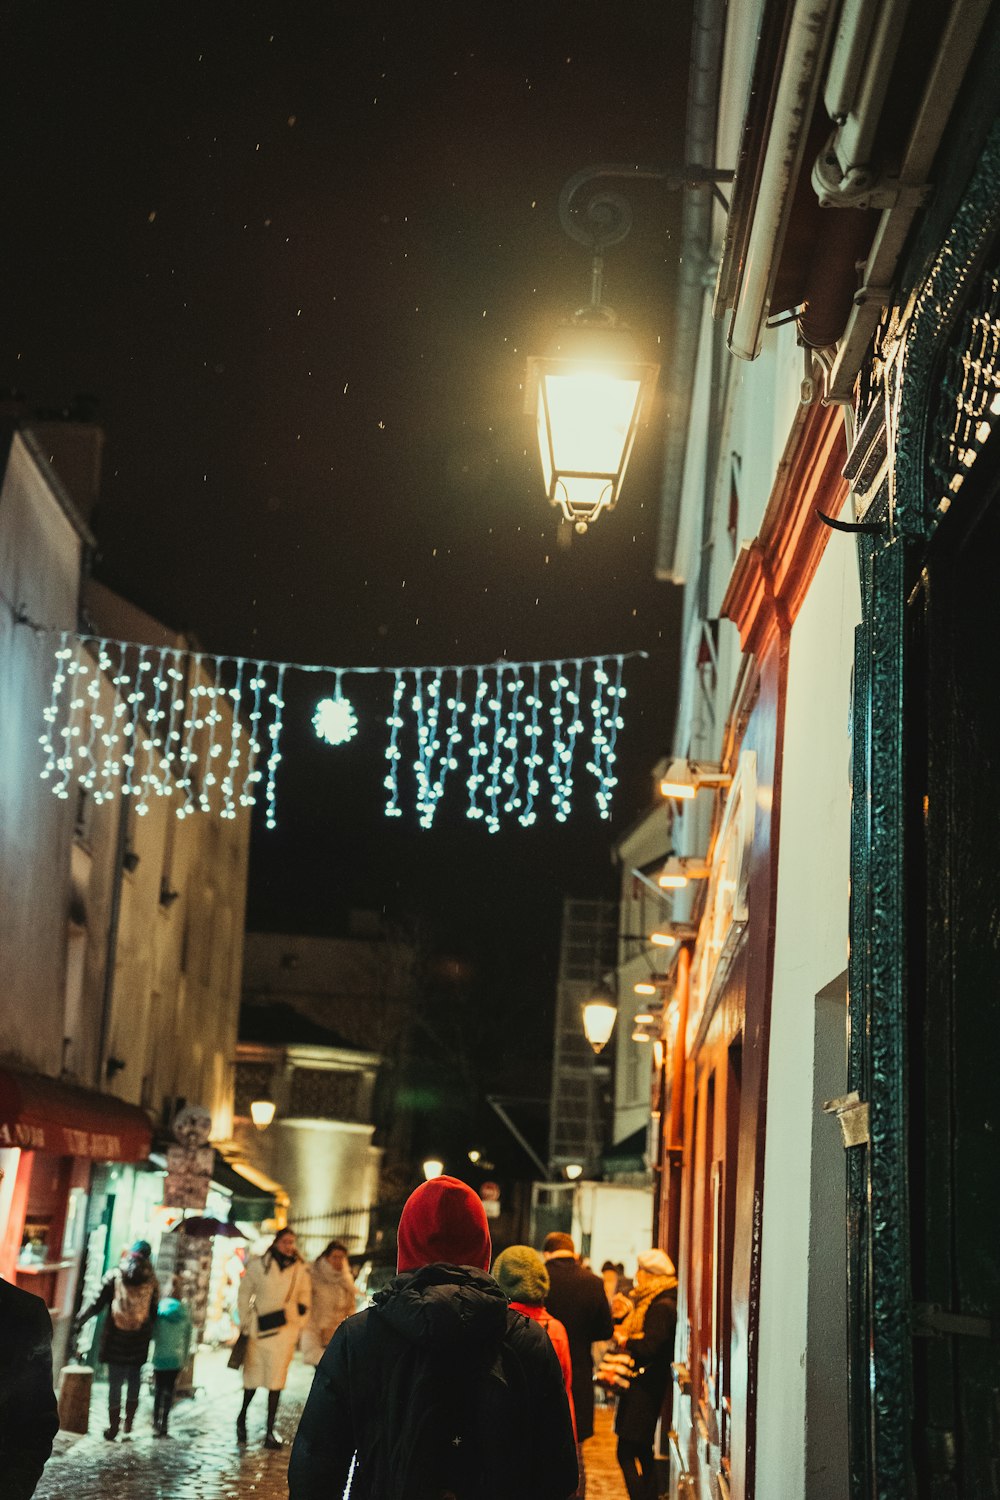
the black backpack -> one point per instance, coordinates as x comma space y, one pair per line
447, 1435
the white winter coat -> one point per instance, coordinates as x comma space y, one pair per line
332, 1302
265, 1288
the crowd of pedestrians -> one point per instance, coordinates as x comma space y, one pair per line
467, 1377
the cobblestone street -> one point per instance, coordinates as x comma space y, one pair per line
201, 1460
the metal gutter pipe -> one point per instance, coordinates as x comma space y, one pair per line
708, 31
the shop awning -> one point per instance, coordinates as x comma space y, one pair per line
41, 1114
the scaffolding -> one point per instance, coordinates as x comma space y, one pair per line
587, 954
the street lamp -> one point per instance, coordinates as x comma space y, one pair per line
573, 1170
262, 1111
599, 1014
432, 1168
589, 392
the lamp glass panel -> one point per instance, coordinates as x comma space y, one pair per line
598, 1021
262, 1112
591, 412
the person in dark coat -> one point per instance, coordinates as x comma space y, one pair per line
131, 1295
578, 1299
646, 1336
438, 1387
28, 1417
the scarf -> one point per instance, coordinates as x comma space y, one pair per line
284, 1261
631, 1326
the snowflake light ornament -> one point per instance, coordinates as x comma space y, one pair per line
335, 720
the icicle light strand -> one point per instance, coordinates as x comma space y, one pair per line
205, 731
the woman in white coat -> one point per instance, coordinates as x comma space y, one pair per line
332, 1300
274, 1300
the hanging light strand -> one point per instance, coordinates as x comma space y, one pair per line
151, 721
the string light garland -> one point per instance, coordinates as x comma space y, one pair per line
205, 730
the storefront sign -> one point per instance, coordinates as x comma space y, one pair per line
725, 914
189, 1164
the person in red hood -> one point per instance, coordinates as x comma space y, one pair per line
438, 1391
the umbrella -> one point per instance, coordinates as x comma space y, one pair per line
204, 1228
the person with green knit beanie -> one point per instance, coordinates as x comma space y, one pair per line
524, 1281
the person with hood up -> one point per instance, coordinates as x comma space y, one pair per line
332, 1300
274, 1299
641, 1369
171, 1347
130, 1293
438, 1389
521, 1273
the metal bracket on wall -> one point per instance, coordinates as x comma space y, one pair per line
852, 1114
930, 1320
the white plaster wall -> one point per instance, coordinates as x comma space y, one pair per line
39, 569
810, 951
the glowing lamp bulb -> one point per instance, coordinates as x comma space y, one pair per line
433, 1168
663, 940
679, 789
672, 882
262, 1112
573, 1170
599, 1017
642, 988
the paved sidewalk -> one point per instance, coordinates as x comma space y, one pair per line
199, 1461
604, 1477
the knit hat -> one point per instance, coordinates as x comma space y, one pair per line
656, 1262
443, 1220
557, 1242
522, 1275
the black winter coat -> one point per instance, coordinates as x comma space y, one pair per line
428, 1338
28, 1417
578, 1299
639, 1407
122, 1346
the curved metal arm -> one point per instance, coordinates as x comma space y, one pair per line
607, 218
608, 215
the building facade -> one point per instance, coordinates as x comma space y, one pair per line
826, 1122
120, 925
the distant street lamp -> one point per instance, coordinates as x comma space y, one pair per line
589, 391
599, 1015
433, 1168
262, 1111
573, 1170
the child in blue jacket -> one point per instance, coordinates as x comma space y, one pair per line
171, 1346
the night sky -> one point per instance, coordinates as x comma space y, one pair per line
299, 253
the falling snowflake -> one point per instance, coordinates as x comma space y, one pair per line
335, 720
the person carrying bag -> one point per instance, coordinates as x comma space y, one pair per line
274, 1300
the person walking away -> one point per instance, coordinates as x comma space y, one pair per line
438, 1387
524, 1280
577, 1298
274, 1300
29, 1420
130, 1293
332, 1300
171, 1347
646, 1336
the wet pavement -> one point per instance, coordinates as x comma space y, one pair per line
201, 1459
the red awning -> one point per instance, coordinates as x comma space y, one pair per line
39, 1114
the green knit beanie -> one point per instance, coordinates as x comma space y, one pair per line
521, 1273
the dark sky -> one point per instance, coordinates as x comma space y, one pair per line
299, 252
